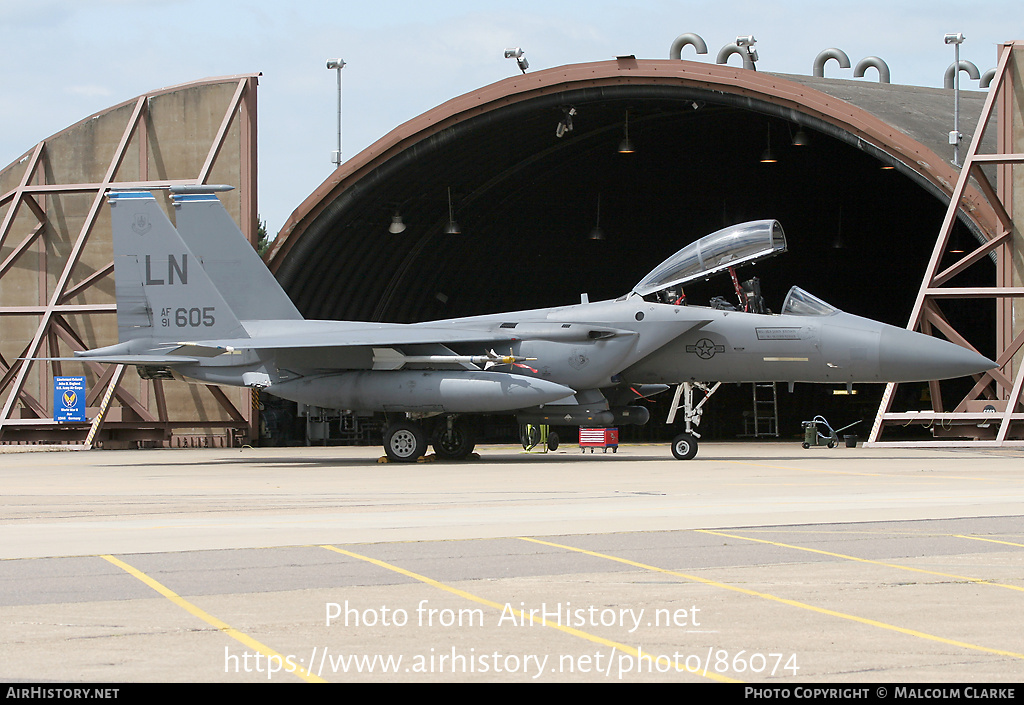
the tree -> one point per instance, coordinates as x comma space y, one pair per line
262, 240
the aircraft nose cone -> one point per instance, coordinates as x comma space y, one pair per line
906, 356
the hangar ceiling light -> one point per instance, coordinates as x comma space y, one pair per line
397, 225
626, 145
597, 233
768, 156
453, 227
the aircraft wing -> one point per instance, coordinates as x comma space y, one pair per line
350, 337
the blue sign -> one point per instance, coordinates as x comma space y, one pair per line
69, 399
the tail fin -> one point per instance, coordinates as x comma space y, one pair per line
230, 262
162, 291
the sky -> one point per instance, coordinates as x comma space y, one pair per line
63, 60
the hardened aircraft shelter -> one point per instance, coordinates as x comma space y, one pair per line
576, 180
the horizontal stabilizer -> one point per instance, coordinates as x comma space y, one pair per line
198, 350
123, 359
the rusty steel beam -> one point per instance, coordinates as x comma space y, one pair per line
970, 259
20, 248
42, 310
87, 282
15, 196
222, 131
973, 292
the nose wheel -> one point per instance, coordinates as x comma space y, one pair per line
684, 446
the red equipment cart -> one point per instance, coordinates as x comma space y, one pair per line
603, 438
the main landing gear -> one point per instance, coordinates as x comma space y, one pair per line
406, 441
454, 439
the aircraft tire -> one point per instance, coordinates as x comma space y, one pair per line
404, 442
552, 440
529, 435
684, 446
454, 444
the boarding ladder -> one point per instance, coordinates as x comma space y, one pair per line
766, 410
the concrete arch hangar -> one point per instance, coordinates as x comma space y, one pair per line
529, 167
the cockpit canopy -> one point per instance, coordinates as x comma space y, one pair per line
799, 303
744, 243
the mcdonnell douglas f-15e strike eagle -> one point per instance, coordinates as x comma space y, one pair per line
194, 301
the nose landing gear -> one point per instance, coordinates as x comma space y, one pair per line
684, 446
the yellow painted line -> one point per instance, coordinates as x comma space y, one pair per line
844, 532
784, 601
502, 608
248, 641
965, 578
978, 538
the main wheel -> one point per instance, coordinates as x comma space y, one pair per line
552, 440
404, 441
684, 446
455, 443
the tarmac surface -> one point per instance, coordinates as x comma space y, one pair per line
756, 562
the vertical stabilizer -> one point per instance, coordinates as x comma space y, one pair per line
229, 260
162, 291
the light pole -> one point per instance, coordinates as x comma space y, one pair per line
955, 137
337, 64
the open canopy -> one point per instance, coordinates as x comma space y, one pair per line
744, 243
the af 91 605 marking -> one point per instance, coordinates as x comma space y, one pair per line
189, 317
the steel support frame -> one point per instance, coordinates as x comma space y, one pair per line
54, 327
1003, 384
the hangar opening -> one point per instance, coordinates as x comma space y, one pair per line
530, 168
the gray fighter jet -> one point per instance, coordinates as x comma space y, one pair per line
195, 301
